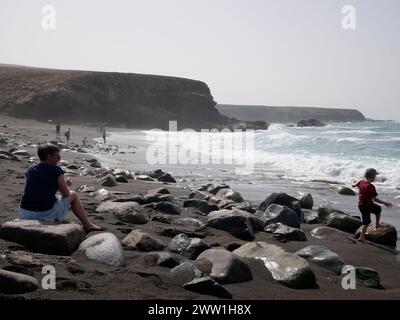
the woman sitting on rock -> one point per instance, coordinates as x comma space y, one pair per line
43, 180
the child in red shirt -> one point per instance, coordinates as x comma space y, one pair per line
367, 198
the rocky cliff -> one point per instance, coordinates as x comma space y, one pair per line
289, 114
116, 99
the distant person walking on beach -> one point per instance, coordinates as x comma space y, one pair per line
84, 142
367, 201
58, 130
104, 136
67, 135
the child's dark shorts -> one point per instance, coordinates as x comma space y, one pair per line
366, 213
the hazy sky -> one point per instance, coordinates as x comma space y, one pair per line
281, 52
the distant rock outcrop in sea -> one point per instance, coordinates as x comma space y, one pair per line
289, 114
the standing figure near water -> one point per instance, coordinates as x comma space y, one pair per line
58, 130
367, 201
67, 135
104, 135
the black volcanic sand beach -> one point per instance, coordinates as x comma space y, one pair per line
80, 278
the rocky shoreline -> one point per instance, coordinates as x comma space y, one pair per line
164, 241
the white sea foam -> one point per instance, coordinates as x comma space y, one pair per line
336, 152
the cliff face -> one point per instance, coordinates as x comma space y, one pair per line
290, 114
132, 100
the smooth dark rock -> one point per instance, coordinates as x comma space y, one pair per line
343, 222
283, 199
108, 181
128, 212
201, 205
208, 286
167, 208
236, 223
227, 267
306, 200
276, 213
323, 257
284, 233
346, 191
310, 123
286, 268
188, 247
166, 177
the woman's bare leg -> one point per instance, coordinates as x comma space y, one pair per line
79, 212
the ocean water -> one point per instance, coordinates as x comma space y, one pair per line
337, 153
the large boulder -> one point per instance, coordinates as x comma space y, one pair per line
167, 208
239, 223
199, 195
284, 233
208, 286
167, 259
345, 191
188, 247
189, 222
131, 198
160, 190
227, 267
214, 188
323, 257
166, 177
366, 277
201, 205
121, 179
386, 234
343, 222
142, 241
331, 234
186, 272
44, 237
22, 153
325, 211
108, 181
16, 283
229, 194
158, 197
283, 199
306, 200
276, 213
104, 248
128, 212
286, 268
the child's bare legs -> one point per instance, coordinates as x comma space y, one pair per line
78, 210
363, 232
378, 221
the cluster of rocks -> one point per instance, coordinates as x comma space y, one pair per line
201, 265
310, 123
